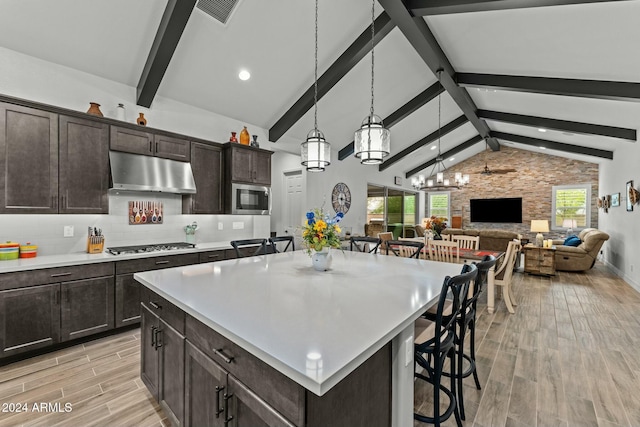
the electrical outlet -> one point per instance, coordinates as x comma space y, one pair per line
68, 231
220, 226
238, 225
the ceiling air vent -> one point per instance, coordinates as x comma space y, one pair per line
218, 9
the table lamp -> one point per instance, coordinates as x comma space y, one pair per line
539, 226
569, 224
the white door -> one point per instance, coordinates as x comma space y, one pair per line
293, 211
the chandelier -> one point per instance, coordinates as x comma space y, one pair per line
315, 151
441, 183
372, 142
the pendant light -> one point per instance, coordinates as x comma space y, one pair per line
372, 141
315, 151
441, 183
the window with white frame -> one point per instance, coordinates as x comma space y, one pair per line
439, 205
571, 206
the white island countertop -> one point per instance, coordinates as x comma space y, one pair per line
314, 327
79, 258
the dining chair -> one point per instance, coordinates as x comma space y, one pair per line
435, 342
274, 240
444, 251
386, 235
259, 244
403, 248
504, 273
466, 242
364, 244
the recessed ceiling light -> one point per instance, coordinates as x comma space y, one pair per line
433, 147
567, 133
244, 75
543, 148
452, 159
542, 130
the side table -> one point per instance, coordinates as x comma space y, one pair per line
539, 260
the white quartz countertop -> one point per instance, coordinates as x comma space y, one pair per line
314, 327
49, 261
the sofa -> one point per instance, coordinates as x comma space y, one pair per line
490, 239
583, 256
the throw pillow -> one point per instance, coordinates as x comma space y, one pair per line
572, 241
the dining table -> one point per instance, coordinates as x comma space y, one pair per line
476, 255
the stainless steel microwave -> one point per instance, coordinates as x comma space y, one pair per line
250, 199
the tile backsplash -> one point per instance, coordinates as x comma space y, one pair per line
47, 231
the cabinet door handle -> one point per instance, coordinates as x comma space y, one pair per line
158, 341
227, 418
61, 274
156, 147
162, 262
214, 256
154, 305
58, 297
153, 337
219, 388
219, 352
150, 146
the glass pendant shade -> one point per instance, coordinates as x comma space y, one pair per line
315, 152
372, 141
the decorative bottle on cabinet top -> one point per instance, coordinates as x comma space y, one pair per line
244, 136
141, 120
94, 109
233, 137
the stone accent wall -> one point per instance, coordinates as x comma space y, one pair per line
536, 173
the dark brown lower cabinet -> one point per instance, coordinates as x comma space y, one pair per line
29, 319
213, 397
162, 364
86, 307
127, 300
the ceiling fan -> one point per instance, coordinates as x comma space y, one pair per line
487, 171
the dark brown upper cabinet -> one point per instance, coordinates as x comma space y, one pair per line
206, 164
28, 160
84, 166
247, 164
149, 144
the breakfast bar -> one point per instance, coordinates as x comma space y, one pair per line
344, 332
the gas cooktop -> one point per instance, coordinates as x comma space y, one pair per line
138, 249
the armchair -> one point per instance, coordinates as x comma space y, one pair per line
583, 256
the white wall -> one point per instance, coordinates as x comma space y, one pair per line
622, 249
33, 79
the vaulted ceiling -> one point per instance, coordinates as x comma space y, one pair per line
510, 68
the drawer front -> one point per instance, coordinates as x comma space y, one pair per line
22, 279
168, 312
155, 263
213, 256
284, 394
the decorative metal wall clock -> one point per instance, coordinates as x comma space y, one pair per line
341, 198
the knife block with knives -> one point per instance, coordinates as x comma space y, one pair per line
95, 241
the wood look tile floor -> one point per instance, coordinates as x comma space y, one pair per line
567, 357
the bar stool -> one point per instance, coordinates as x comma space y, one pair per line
369, 244
435, 342
276, 239
261, 247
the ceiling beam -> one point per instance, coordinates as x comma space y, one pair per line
442, 7
560, 125
433, 136
174, 20
419, 35
455, 150
601, 89
345, 62
418, 101
567, 148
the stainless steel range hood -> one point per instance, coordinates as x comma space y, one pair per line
135, 172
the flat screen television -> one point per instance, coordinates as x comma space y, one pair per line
496, 210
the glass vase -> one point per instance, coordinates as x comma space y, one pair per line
244, 136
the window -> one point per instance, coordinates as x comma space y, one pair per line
389, 209
571, 202
439, 204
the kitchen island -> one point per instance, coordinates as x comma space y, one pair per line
340, 341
